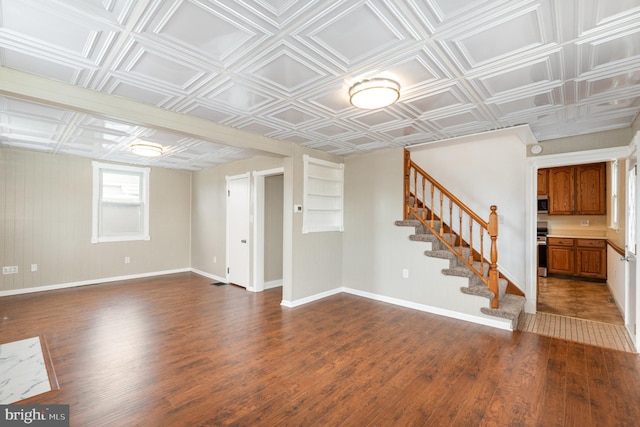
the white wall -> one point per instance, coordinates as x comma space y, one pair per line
312, 263
209, 201
616, 277
482, 171
376, 250
316, 258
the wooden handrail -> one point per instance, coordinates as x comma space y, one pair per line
426, 207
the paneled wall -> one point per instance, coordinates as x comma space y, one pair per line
45, 221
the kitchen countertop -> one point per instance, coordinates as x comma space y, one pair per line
573, 236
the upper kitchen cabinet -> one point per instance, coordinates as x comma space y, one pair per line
591, 185
577, 190
543, 182
562, 190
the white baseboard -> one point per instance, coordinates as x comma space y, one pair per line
209, 275
273, 284
498, 323
306, 300
90, 282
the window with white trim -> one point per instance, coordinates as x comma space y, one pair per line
322, 195
614, 195
120, 203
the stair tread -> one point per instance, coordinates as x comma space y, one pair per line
510, 308
510, 305
478, 290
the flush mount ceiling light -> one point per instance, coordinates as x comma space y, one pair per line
146, 149
374, 93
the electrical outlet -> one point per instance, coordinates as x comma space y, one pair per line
127, 260
13, 269
34, 268
584, 223
215, 259
405, 273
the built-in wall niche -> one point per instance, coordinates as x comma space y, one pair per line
323, 198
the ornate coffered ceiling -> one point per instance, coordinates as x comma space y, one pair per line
88, 77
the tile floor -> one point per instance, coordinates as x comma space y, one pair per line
23, 372
580, 311
578, 298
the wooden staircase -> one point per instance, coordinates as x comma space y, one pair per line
458, 234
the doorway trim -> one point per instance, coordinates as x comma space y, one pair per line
531, 214
257, 282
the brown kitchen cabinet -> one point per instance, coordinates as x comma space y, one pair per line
577, 257
591, 189
561, 256
562, 188
577, 190
591, 258
543, 182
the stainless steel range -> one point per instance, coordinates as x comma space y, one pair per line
541, 239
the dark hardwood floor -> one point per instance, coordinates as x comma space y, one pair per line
177, 351
577, 298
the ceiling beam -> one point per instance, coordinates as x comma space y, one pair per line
32, 88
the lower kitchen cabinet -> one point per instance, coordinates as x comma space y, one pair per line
591, 258
577, 257
561, 256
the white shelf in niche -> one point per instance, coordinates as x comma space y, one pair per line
323, 195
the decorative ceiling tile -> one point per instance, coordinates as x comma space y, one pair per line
370, 27
157, 68
616, 84
525, 77
334, 99
294, 116
596, 15
202, 27
471, 120
431, 102
484, 42
527, 103
283, 69
210, 112
610, 49
37, 65
375, 118
136, 90
331, 130
239, 96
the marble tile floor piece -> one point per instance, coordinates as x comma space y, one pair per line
23, 371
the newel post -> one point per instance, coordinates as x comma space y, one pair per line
407, 183
493, 266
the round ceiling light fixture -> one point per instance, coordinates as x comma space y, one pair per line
374, 93
146, 149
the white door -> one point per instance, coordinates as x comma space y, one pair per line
631, 310
238, 230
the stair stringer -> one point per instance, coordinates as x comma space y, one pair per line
441, 292
511, 306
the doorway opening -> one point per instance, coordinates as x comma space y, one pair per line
268, 229
582, 298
